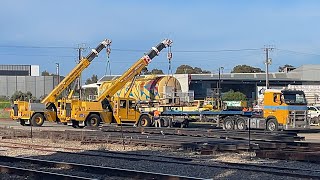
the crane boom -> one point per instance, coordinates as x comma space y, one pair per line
134, 70
75, 73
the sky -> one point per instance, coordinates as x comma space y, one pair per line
206, 33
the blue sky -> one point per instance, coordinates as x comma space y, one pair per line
209, 25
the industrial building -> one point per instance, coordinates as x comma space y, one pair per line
25, 78
307, 77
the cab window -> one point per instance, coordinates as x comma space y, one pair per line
123, 104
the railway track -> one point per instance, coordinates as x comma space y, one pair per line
275, 170
35, 174
90, 171
206, 145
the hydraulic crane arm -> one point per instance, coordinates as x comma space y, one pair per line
75, 73
134, 70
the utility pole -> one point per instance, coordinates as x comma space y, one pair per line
58, 71
219, 88
80, 49
267, 63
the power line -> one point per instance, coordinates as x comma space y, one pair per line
297, 52
191, 51
37, 47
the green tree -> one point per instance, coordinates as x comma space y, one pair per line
46, 73
186, 69
246, 69
233, 96
282, 68
93, 79
18, 95
155, 71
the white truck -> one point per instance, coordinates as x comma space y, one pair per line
314, 112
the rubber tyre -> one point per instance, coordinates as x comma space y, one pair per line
272, 125
93, 120
144, 121
22, 122
37, 120
241, 124
228, 124
75, 124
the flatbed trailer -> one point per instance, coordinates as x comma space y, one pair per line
184, 117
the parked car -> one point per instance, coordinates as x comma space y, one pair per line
314, 112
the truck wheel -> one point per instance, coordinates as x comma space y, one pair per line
93, 120
241, 124
272, 125
144, 121
37, 120
228, 123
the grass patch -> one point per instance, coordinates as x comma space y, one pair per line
5, 104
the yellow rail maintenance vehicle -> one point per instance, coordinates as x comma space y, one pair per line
107, 108
28, 113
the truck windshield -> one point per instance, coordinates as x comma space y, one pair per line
292, 98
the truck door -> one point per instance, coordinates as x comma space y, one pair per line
123, 111
132, 110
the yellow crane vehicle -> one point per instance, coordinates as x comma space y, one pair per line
107, 108
35, 114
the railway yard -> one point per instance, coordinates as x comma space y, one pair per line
55, 151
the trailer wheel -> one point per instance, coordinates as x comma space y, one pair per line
272, 125
37, 120
228, 123
93, 120
144, 121
241, 124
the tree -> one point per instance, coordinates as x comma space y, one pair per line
155, 71
282, 68
186, 69
246, 69
93, 79
45, 73
18, 95
233, 96
145, 71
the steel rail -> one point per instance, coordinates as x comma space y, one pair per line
102, 170
276, 170
37, 175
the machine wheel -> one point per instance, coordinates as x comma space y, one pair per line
272, 125
241, 124
228, 123
22, 122
75, 124
144, 121
37, 120
93, 120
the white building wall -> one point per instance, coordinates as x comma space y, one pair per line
35, 70
312, 92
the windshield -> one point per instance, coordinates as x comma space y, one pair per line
294, 98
